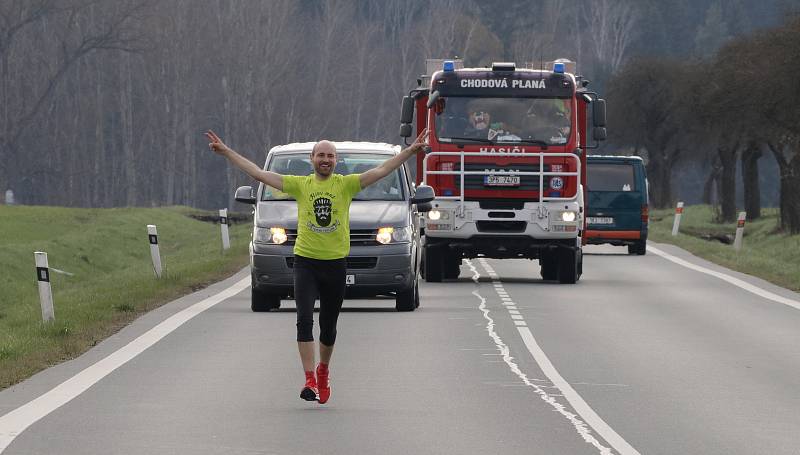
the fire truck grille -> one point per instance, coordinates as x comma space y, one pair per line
501, 226
477, 182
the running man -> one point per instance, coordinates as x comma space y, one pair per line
323, 242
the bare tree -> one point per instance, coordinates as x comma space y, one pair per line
612, 26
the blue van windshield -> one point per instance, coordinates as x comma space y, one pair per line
611, 177
388, 188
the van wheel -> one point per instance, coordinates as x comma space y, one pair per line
549, 266
640, 248
453, 269
408, 299
261, 301
568, 266
434, 265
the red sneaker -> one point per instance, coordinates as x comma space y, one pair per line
309, 392
323, 382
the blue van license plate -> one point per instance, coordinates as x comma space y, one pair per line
600, 220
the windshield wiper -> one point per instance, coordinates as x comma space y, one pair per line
534, 141
474, 139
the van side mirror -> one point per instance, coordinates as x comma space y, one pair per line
424, 207
599, 112
244, 194
407, 113
599, 133
424, 194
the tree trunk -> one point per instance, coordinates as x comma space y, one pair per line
711, 187
790, 197
789, 185
659, 173
752, 190
727, 158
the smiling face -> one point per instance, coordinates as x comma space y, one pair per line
323, 158
480, 119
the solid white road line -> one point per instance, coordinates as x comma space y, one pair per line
581, 407
581, 427
16, 421
734, 281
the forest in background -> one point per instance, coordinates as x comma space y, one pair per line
104, 101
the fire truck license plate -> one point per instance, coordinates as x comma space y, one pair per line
501, 180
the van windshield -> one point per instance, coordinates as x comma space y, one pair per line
389, 188
611, 177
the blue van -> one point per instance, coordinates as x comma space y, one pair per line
618, 204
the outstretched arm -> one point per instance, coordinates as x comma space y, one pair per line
272, 179
377, 173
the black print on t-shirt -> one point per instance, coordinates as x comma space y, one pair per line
322, 210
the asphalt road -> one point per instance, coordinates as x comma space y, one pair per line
643, 355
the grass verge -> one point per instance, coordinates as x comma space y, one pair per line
110, 279
766, 253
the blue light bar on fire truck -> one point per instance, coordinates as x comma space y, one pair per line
448, 65
558, 68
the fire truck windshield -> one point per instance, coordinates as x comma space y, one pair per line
544, 121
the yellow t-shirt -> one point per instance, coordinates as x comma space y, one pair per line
323, 213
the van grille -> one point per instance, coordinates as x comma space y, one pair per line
353, 262
358, 237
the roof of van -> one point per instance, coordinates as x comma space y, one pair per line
340, 145
614, 157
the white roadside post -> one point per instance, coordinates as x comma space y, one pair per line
45, 293
737, 241
223, 225
152, 233
677, 223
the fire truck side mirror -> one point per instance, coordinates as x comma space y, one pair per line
599, 112
405, 130
599, 133
407, 114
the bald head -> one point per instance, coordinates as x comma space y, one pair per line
323, 158
323, 145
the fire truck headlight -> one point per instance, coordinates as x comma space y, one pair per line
434, 215
568, 216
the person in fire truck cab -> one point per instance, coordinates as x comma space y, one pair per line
549, 120
481, 125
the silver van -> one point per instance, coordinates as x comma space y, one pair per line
384, 227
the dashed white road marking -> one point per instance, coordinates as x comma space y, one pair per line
16, 421
583, 409
724, 277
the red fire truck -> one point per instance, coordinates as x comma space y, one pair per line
507, 161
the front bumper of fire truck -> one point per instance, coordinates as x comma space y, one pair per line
471, 230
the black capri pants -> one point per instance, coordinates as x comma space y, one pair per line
323, 278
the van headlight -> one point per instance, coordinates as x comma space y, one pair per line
275, 235
388, 235
278, 235
568, 216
